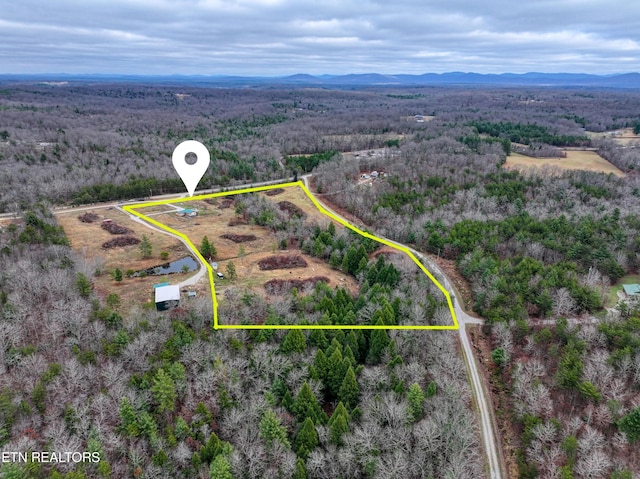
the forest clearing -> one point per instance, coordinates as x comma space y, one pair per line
575, 160
87, 240
623, 136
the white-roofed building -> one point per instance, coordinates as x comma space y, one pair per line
167, 297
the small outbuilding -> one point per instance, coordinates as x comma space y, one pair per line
167, 297
187, 212
632, 290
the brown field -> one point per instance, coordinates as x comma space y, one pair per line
215, 223
575, 160
251, 276
87, 238
624, 136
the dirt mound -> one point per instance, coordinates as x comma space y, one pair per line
282, 262
384, 252
238, 222
275, 192
121, 241
238, 238
292, 209
115, 229
89, 217
281, 286
225, 203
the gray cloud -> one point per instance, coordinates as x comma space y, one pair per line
280, 37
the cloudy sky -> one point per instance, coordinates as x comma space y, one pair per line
282, 37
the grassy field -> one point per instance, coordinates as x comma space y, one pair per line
612, 299
575, 160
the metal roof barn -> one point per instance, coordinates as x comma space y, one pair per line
167, 297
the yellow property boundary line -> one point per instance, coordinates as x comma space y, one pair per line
216, 325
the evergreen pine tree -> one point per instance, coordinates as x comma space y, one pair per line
415, 395
307, 439
207, 250
340, 410
271, 430
301, 470
361, 253
294, 342
431, 389
349, 389
231, 271
306, 405
349, 318
318, 339
379, 342
145, 247
335, 344
388, 314
351, 340
335, 372
362, 265
334, 260
211, 449
164, 391
117, 275
220, 468
348, 355
338, 427
287, 401
83, 284
321, 365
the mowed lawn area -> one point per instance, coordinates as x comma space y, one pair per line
575, 160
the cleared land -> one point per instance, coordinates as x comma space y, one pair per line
249, 258
624, 136
87, 238
575, 160
218, 221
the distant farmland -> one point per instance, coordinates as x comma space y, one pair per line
575, 160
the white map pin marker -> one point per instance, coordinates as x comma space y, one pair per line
191, 174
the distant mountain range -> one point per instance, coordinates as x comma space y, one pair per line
626, 80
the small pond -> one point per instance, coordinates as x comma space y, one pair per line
176, 266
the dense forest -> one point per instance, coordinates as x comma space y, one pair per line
91, 143
539, 251
163, 395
